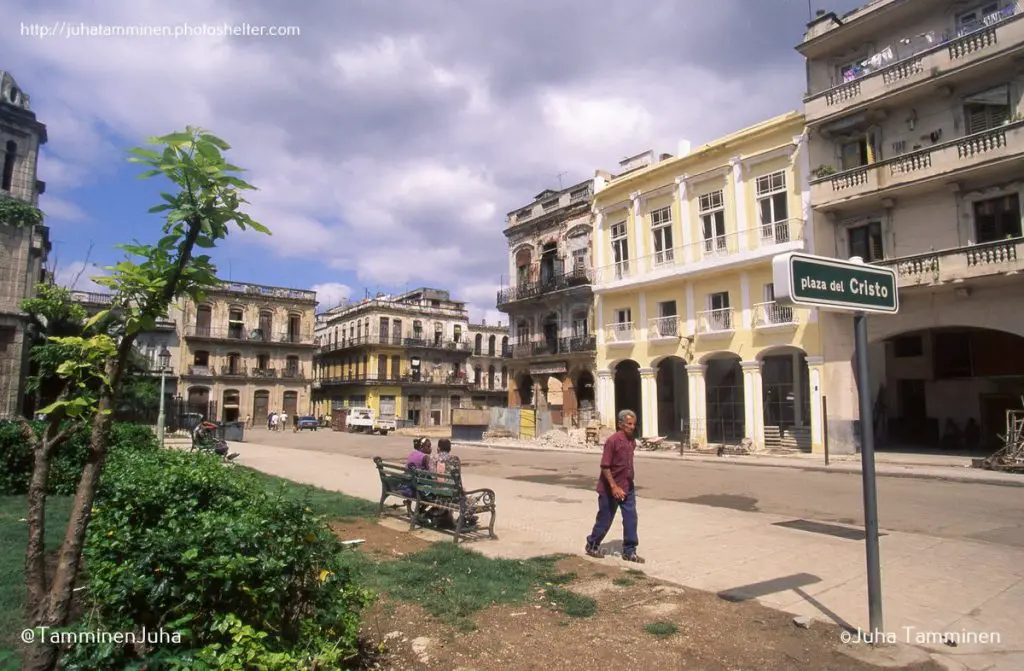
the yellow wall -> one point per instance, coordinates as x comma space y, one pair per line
761, 150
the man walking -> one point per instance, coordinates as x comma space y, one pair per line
615, 490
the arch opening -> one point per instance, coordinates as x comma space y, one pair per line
673, 398
786, 398
628, 395
726, 416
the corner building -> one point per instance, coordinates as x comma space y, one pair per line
691, 337
916, 137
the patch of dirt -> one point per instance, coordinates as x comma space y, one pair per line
713, 634
381, 542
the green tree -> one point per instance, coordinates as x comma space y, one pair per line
206, 203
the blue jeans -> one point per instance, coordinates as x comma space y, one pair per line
607, 505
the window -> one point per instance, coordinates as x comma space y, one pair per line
661, 227
667, 324
457, 333
438, 332
854, 153
579, 325
986, 110
866, 241
620, 250
719, 313
623, 316
579, 260
977, 18
712, 217
997, 218
491, 343
773, 205
10, 153
478, 344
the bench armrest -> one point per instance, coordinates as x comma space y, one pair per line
486, 496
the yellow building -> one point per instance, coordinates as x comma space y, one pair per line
691, 338
414, 357
247, 351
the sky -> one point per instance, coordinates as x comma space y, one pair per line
388, 139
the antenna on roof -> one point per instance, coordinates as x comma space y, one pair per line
560, 175
810, 11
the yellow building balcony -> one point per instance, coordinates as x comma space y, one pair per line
620, 333
1002, 257
712, 253
713, 323
665, 328
956, 157
771, 316
948, 63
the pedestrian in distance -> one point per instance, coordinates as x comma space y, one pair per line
616, 490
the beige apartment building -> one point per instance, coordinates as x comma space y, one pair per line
247, 351
550, 304
413, 356
916, 141
23, 248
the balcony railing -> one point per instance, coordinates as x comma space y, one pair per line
1005, 141
550, 347
415, 341
722, 320
578, 277
716, 250
233, 371
767, 315
263, 372
620, 332
664, 327
987, 258
200, 371
243, 334
505, 353
451, 379
292, 374
1002, 31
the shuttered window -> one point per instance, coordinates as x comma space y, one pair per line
987, 110
866, 242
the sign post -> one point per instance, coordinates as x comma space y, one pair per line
848, 286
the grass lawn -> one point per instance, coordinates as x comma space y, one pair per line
13, 538
335, 505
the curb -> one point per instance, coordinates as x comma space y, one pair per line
844, 469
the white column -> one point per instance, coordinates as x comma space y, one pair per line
605, 397
741, 201
815, 366
597, 241
698, 404
798, 391
691, 310
744, 316
599, 317
802, 163
753, 402
683, 256
649, 402
641, 328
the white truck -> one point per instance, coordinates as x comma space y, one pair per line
364, 420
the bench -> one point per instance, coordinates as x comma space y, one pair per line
420, 490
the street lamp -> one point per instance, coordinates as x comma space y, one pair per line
165, 362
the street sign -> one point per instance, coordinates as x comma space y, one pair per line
833, 284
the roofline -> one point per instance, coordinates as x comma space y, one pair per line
675, 164
568, 189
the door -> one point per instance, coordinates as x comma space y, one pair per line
291, 404
260, 407
387, 407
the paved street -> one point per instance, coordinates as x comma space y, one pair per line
955, 510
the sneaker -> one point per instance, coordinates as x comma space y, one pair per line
633, 557
594, 551
232, 456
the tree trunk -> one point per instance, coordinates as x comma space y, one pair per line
35, 552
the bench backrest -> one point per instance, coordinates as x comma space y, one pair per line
393, 475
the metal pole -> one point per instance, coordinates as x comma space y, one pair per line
160, 416
867, 456
824, 425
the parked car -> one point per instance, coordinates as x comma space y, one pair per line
307, 422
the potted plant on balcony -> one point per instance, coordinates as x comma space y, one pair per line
823, 171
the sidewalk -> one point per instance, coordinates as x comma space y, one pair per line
887, 464
930, 585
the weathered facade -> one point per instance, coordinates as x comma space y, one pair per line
488, 365
549, 304
412, 357
247, 351
914, 114
23, 248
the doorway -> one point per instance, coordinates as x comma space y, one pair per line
260, 406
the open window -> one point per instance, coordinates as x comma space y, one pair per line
987, 110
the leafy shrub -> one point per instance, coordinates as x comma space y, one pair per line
66, 468
251, 578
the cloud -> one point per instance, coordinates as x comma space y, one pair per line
78, 275
330, 294
62, 210
388, 139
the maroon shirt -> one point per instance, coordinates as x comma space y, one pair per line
618, 457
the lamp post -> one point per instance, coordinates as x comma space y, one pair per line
165, 362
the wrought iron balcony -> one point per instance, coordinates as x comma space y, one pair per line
578, 277
718, 321
241, 334
555, 346
620, 333
233, 371
449, 379
771, 314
